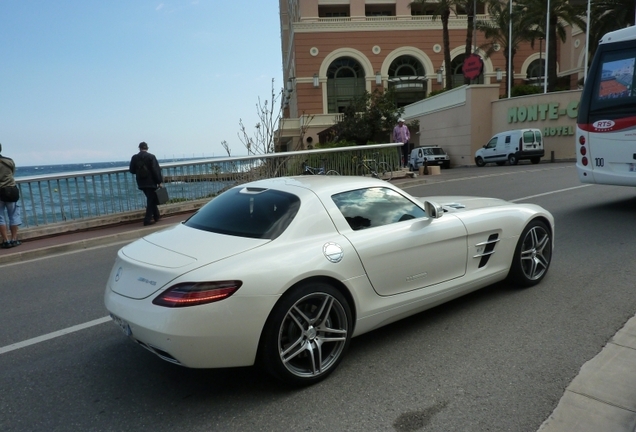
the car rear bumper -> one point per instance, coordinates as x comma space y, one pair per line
222, 334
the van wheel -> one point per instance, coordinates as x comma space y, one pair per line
512, 160
535, 160
479, 161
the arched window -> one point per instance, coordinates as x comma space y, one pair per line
345, 82
407, 78
535, 72
458, 75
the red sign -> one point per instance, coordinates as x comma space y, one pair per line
473, 64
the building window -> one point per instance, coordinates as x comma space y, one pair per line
333, 11
379, 10
407, 77
345, 82
535, 72
481, 9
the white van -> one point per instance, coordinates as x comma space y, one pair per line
432, 155
512, 146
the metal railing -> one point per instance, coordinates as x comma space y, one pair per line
72, 196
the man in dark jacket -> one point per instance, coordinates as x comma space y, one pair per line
148, 174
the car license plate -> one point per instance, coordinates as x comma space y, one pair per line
122, 324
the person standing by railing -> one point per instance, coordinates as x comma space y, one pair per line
148, 175
9, 196
402, 134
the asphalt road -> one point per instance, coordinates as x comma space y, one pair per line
496, 360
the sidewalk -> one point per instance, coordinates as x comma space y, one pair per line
602, 397
77, 240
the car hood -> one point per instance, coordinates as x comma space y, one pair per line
458, 203
150, 263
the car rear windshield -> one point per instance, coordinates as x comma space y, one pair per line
247, 212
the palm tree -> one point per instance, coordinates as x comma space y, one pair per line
561, 12
443, 10
496, 31
469, 7
607, 16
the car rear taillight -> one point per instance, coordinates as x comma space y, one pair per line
196, 293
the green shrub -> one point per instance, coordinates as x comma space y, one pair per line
525, 89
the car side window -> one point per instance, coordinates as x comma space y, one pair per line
492, 143
377, 206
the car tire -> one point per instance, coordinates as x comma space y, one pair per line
512, 160
306, 334
532, 256
479, 161
446, 165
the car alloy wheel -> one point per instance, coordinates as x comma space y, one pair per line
533, 255
307, 334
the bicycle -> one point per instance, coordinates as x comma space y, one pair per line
373, 168
309, 170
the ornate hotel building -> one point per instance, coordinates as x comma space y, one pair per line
334, 50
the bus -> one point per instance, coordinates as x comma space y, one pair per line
606, 122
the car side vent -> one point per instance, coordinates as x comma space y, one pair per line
488, 249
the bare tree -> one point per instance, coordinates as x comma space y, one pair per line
263, 139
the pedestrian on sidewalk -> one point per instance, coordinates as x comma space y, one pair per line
9, 197
148, 175
402, 134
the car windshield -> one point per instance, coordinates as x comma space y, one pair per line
433, 151
247, 212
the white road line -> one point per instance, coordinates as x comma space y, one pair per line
53, 335
550, 193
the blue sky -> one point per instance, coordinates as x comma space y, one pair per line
87, 80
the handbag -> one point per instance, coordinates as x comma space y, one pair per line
9, 194
162, 195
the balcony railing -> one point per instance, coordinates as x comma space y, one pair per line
73, 196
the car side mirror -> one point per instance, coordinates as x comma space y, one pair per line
433, 209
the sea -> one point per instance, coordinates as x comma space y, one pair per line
26, 171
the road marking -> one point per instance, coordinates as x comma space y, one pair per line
53, 335
549, 193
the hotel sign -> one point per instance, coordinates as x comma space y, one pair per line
546, 112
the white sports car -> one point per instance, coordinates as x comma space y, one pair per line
284, 272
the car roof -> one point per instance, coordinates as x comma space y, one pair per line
319, 184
